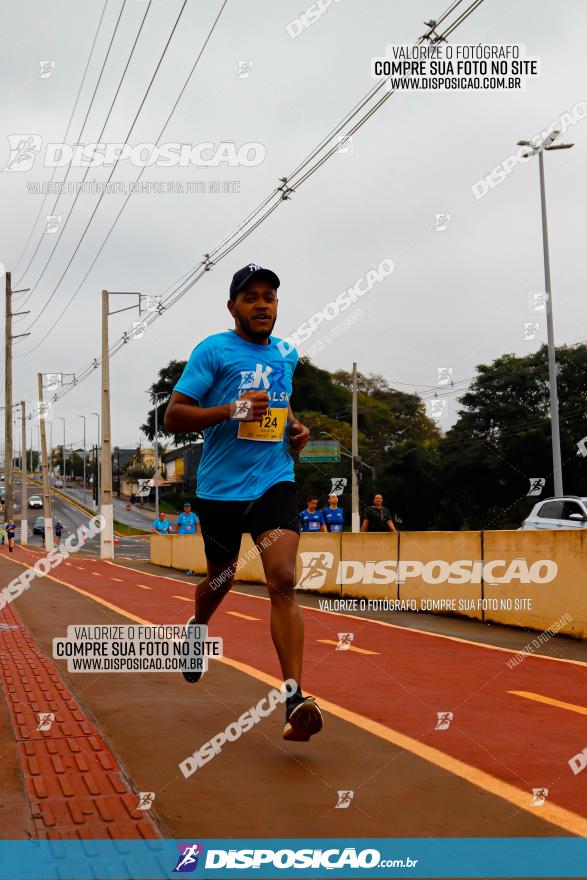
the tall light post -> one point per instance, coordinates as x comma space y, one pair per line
156, 397
548, 144
84, 418
97, 460
61, 419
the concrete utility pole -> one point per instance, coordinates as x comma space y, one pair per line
8, 451
46, 494
548, 144
106, 509
8, 477
355, 519
24, 529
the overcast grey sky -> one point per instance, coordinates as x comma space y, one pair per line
456, 298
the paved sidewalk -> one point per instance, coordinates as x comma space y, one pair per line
74, 786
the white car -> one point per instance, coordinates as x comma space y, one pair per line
565, 512
35, 501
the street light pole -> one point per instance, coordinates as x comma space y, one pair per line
46, 493
84, 418
23, 477
546, 145
61, 419
355, 519
97, 460
157, 395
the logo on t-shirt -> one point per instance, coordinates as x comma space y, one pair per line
257, 378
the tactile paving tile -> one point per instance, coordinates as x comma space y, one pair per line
76, 788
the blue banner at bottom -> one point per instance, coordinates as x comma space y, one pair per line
287, 858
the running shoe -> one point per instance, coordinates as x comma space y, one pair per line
302, 720
192, 677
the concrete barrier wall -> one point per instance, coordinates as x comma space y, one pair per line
160, 550
317, 562
368, 548
552, 602
562, 601
448, 547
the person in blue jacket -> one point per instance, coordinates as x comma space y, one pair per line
333, 515
311, 519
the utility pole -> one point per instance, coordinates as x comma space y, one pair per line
106, 509
548, 144
24, 529
8, 466
355, 519
8, 477
46, 494
84, 418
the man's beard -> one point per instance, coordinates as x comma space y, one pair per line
246, 326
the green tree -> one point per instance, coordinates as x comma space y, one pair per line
502, 439
166, 381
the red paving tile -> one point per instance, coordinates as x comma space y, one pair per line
76, 788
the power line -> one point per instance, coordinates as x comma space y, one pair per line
114, 168
99, 140
279, 195
80, 135
64, 138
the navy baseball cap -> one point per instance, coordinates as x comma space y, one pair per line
248, 272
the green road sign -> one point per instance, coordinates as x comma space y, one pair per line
321, 450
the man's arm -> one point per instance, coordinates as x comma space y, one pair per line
391, 526
365, 525
183, 414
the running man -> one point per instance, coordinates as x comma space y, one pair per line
311, 518
58, 532
187, 522
10, 533
236, 387
377, 518
161, 526
333, 515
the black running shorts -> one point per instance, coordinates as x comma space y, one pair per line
224, 522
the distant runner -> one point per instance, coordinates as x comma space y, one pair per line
10, 533
332, 514
311, 518
236, 387
187, 522
58, 532
377, 518
161, 526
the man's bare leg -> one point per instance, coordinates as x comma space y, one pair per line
278, 555
212, 589
287, 626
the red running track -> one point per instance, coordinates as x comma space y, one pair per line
403, 684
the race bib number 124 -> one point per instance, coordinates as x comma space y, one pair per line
269, 427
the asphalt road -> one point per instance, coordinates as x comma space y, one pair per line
72, 518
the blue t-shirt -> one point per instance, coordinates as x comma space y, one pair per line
187, 523
333, 518
221, 369
311, 522
163, 526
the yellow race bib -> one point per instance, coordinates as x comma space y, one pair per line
269, 428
